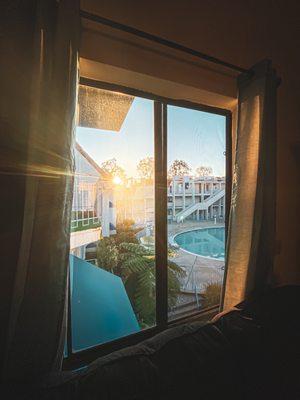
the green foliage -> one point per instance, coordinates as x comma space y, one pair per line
140, 287
136, 266
212, 294
108, 254
125, 225
126, 232
127, 237
172, 251
174, 274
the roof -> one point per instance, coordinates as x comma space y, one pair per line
100, 308
101, 171
102, 109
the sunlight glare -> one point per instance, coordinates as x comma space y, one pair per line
117, 180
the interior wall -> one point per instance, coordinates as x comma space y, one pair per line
242, 33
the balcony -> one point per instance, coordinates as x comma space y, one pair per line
84, 220
85, 228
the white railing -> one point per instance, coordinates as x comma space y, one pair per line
200, 206
84, 219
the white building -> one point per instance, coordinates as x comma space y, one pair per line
199, 198
93, 209
136, 201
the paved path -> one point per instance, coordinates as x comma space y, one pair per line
199, 270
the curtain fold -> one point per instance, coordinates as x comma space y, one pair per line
251, 237
35, 332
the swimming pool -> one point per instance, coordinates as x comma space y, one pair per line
206, 242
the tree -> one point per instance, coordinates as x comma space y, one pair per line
108, 254
204, 171
112, 168
126, 232
136, 267
179, 168
145, 168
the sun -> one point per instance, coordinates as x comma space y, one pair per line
117, 180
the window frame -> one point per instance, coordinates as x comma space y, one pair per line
83, 357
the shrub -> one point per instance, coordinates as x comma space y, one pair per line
122, 256
212, 294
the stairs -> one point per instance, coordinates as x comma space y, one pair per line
200, 206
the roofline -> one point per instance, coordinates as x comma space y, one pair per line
91, 161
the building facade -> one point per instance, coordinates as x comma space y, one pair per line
93, 209
135, 201
199, 198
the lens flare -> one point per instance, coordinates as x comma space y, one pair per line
117, 180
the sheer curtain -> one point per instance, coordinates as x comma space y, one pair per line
35, 333
251, 237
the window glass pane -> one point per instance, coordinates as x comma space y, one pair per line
196, 209
112, 254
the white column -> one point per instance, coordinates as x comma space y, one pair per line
173, 197
183, 193
193, 192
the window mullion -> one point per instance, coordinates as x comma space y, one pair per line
161, 236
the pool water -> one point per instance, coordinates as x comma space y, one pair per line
208, 242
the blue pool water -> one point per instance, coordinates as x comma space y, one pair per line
208, 242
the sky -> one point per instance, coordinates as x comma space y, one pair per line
193, 136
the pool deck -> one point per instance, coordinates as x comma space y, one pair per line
199, 270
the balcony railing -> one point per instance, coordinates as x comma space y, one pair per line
83, 220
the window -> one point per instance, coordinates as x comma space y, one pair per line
148, 218
196, 229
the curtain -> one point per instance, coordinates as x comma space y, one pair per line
35, 336
251, 236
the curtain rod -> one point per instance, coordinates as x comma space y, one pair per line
160, 40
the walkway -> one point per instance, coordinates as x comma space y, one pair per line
199, 270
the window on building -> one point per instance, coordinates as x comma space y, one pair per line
148, 218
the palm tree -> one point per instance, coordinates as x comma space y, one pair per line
136, 266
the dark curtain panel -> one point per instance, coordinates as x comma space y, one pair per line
251, 238
44, 160
16, 35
